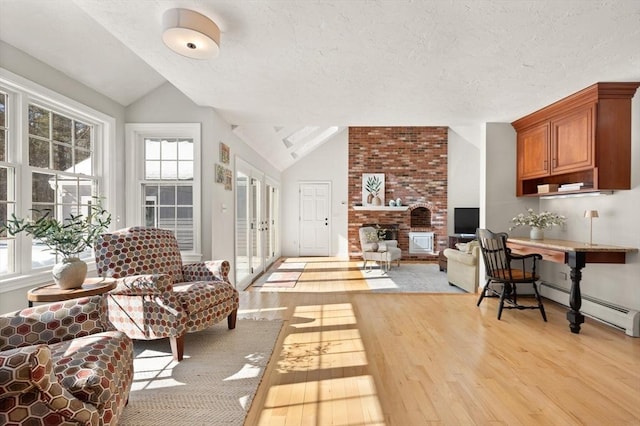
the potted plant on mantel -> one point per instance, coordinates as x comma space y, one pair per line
66, 238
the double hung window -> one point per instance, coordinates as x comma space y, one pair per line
60, 164
164, 165
50, 157
167, 187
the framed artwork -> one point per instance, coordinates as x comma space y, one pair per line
219, 173
227, 179
224, 153
373, 189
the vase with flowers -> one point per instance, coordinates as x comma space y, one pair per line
537, 221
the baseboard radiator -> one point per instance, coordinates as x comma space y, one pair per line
621, 318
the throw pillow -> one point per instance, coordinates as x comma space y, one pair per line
462, 247
371, 236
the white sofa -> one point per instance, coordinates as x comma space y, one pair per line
463, 266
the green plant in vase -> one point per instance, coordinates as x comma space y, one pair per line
66, 238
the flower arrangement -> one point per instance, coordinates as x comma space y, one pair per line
541, 220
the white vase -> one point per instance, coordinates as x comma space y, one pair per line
536, 233
69, 273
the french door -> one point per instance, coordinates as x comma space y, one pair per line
257, 227
271, 225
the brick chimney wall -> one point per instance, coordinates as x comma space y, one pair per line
414, 162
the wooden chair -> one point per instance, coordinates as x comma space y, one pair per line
498, 261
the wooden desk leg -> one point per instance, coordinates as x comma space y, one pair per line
575, 260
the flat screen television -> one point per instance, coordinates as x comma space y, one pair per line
466, 220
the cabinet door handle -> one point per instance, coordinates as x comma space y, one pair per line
545, 165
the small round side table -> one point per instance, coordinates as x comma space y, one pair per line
53, 293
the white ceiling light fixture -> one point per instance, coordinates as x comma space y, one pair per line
190, 34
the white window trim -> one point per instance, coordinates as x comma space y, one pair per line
136, 133
106, 169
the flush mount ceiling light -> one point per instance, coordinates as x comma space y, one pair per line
190, 34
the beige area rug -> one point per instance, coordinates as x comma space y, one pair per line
410, 278
281, 274
213, 385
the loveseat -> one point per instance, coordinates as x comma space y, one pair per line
63, 364
463, 265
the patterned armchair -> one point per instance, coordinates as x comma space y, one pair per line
63, 363
157, 296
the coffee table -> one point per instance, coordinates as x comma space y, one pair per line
53, 293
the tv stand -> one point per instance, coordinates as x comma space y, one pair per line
453, 240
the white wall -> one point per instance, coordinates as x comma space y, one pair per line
499, 167
167, 104
23, 65
464, 145
328, 163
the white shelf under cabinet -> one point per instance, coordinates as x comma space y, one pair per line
382, 208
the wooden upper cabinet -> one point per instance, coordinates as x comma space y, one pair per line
585, 137
533, 152
572, 139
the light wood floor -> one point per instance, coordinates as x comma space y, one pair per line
349, 357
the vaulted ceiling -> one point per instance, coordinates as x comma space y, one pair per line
288, 65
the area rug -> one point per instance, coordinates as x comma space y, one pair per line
281, 274
213, 385
410, 278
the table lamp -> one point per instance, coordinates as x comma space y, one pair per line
591, 214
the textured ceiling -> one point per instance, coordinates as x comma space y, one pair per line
346, 62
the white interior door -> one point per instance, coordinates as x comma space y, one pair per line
315, 227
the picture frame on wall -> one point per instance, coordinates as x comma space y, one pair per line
225, 153
220, 174
373, 189
228, 179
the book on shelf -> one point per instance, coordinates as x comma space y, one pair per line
547, 187
571, 187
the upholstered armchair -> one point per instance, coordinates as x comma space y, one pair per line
63, 363
156, 295
377, 250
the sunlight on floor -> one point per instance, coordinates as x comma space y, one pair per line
323, 372
154, 370
255, 311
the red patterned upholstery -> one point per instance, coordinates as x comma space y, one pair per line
157, 296
63, 363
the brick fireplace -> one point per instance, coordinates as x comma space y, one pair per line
414, 161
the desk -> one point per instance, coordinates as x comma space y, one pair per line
576, 255
53, 293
